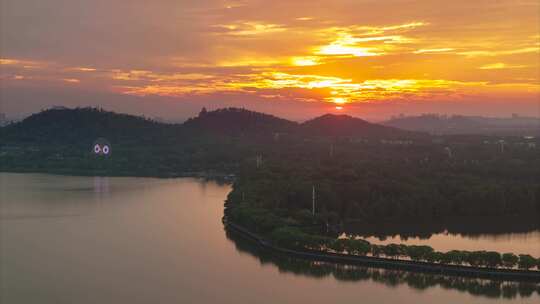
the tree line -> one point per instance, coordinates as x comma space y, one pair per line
287, 233
415, 280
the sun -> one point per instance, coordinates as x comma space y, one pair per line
339, 100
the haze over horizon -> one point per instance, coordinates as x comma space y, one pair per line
296, 60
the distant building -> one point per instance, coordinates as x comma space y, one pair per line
203, 112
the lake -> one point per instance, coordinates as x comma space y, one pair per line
146, 240
519, 243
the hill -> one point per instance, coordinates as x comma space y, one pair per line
344, 125
235, 121
80, 125
83, 125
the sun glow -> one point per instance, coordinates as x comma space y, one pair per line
338, 100
251, 28
289, 86
347, 45
314, 57
305, 61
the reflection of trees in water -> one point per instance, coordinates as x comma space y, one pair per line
389, 278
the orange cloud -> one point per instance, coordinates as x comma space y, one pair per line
500, 65
251, 28
439, 50
283, 50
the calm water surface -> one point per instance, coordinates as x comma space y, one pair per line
142, 240
519, 243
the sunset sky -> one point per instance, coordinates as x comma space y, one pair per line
295, 59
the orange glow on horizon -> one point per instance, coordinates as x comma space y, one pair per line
338, 100
346, 54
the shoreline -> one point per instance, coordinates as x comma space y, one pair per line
378, 262
215, 176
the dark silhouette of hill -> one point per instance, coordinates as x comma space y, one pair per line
235, 121
84, 125
80, 125
345, 125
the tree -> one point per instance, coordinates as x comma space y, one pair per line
434, 257
391, 250
454, 257
526, 261
285, 236
417, 253
338, 245
509, 260
476, 258
376, 250
359, 247
315, 242
492, 259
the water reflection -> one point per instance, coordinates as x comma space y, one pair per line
101, 185
36, 196
390, 278
146, 240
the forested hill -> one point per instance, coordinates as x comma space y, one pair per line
344, 125
84, 125
235, 121
80, 126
